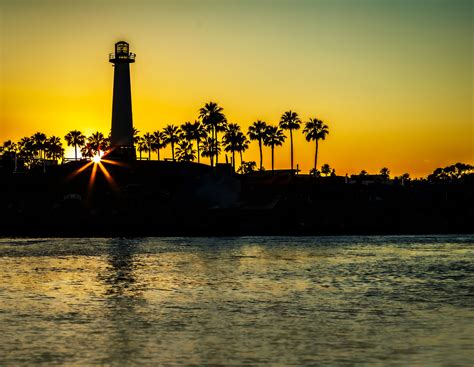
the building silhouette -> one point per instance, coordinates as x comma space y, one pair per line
122, 122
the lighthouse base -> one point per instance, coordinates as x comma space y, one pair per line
122, 153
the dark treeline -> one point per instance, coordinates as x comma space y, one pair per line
208, 136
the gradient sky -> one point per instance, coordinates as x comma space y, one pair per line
393, 79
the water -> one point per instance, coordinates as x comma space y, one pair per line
238, 301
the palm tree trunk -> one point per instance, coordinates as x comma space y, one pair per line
233, 160
140, 154
158, 153
261, 153
149, 154
273, 157
241, 158
172, 150
291, 147
75, 152
316, 158
197, 143
217, 152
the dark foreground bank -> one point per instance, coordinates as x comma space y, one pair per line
188, 199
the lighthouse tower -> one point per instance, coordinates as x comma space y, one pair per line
122, 124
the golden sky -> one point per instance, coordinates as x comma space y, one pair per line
393, 79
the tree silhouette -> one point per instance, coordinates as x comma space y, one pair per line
247, 167
39, 141
54, 148
385, 173
316, 130
148, 140
363, 173
159, 142
199, 133
141, 145
213, 118
232, 140
96, 143
171, 134
187, 132
208, 148
76, 139
185, 151
136, 135
450, 173
242, 144
274, 136
258, 131
26, 151
326, 169
290, 121
315, 172
9, 149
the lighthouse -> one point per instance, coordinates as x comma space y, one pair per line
121, 140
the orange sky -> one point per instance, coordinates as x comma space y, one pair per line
392, 79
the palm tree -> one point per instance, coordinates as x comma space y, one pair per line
290, 121
273, 137
208, 148
39, 140
214, 119
185, 151
141, 145
198, 132
242, 144
76, 139
258, 131
26, 151
326, 169
187, 131
9, 147
158, 142
363, 173
97, 143
136, 136
316, 130
171, 134
54, 148
87, 150
148, 140
231, 140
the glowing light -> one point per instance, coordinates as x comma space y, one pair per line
92, 178
96, 159
76, 172
108, 177
114, 163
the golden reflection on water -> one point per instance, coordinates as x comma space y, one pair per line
234, 301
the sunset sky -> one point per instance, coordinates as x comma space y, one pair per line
393, 79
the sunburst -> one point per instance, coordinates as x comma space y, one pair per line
98, 163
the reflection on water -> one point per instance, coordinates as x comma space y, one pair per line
254, 300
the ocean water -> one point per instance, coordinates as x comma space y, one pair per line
238, 301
